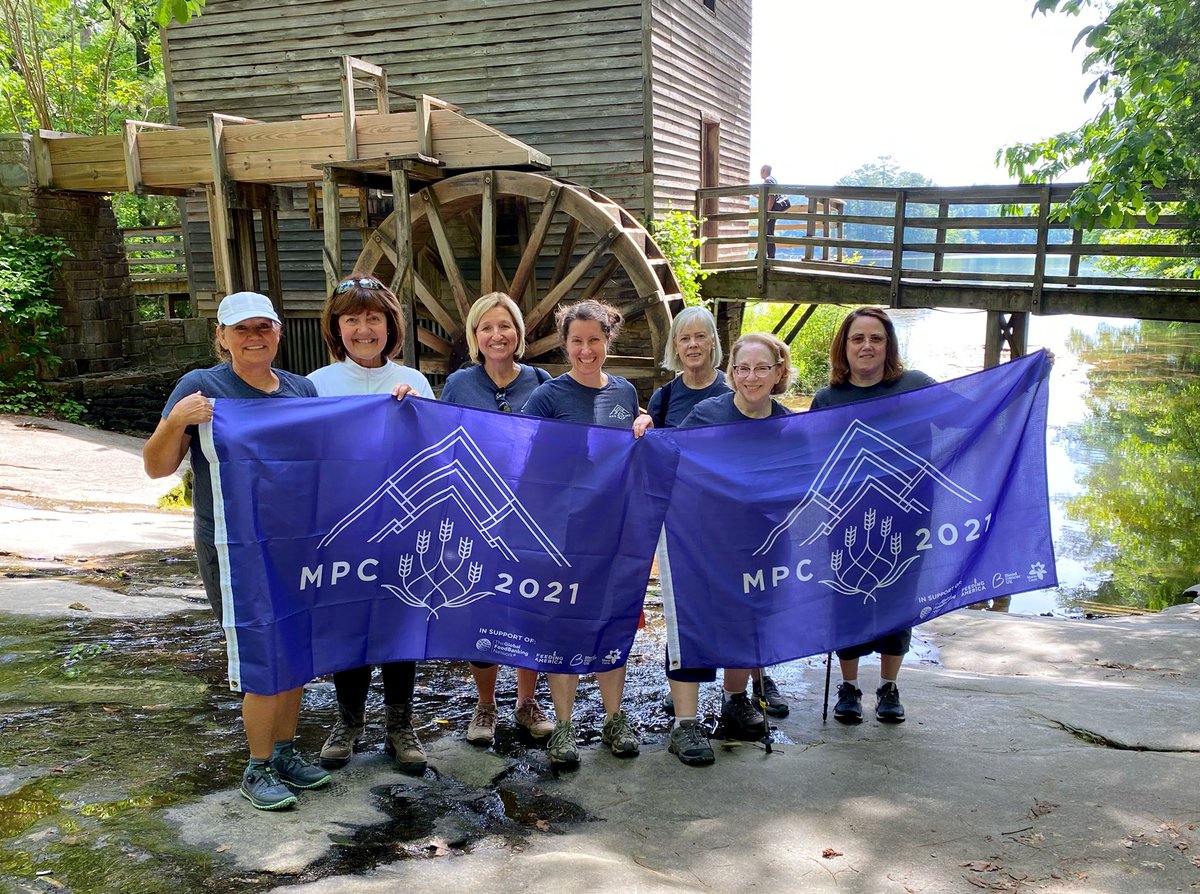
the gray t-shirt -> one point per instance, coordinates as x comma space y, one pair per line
615, 405
681, 400
217, 382
835, 395
473, 387
722, 409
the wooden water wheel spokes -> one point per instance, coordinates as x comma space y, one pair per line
545, 242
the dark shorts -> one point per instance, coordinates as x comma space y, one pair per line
892, 644
689, 674
210, 575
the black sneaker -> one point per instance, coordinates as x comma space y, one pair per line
741, 719
887, 704
768, 692
294, 770
690, 745
849, 704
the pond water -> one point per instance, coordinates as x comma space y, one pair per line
1109, 374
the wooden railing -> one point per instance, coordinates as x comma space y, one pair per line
158, 265
917, 236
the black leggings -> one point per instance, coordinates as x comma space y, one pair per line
399, 678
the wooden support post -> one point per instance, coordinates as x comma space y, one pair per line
404, 285
1043, 239
808, 312
1073, 264
270, 239
245, 251
133, 159
331, 215
220, 201
487, 235
939, 256
809, 228
1005, 328
42, 168
761, 254
424, 126
898, 244
783, 321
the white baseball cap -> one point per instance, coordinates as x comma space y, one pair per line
243, 306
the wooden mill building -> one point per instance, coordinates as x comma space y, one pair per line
639, 101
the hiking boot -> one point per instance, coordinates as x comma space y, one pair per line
401, 742
887, 704
482, 729
690, 745
530, 716
849, 704
741, 719
339, 747
619, 736
262, 787
561, 749
295, 770
768, 692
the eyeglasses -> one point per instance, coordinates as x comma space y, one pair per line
502, 403
349, 284
759, 372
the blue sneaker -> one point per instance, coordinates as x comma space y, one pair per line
295, 770
262, 787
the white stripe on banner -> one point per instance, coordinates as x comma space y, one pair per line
221, 539
668, 597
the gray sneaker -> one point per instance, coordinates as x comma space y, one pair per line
401, 740
561, 749
295, 770
619, 736
690, 745
339, 747
262, 787
742, 719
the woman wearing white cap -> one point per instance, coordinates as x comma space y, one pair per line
247, 340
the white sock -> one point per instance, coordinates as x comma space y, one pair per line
883, 681
685, 719
853, 683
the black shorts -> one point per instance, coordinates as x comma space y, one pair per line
210, 575
892, 644
689, 674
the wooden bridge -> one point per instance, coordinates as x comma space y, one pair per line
928, 247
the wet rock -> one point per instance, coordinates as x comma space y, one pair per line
479, 767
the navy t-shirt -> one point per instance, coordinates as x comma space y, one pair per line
681, 399
722, 409
615, 405
217, 382
473, 387
835, 395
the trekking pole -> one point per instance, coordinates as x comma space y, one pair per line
828, 671
762, 706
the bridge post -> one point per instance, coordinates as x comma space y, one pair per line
898, 244
1005, 328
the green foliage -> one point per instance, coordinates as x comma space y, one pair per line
885, 172
810, 347
676, 234
29, 323
180, 496
1145, 61
1140, 506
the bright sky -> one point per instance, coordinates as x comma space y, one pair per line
939, 85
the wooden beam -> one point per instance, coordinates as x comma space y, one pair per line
528, 262
404, 285
133, 161
424, 126
458, 287
564, 286
436, 310
331, 254
487, 235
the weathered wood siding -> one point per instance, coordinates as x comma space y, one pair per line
565, 77
700, 68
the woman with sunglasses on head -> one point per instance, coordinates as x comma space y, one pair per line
246, 343
495, 332
760, 367
586, 393
363, 329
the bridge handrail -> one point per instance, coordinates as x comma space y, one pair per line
736, 223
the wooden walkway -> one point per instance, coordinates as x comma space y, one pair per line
908, 247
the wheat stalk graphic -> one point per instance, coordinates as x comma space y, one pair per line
870, 569
435, 584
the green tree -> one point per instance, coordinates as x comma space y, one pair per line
1141, 502
810, 347
1143, 58
885, 172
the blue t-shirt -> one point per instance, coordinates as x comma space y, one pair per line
722, 409
835, 395
473, 387
615, 405
681, 399
217, 382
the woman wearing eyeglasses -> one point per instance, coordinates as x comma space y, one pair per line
586, 393
760, 368
363, 330
495, 333
864, 362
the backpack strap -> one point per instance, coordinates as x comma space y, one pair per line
660, 421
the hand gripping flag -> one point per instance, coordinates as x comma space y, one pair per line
360, 530
797, 535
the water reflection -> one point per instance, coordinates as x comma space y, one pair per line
1123, 445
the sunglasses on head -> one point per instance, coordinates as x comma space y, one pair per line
365, 283
502, 403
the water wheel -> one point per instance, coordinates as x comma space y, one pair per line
544, 242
